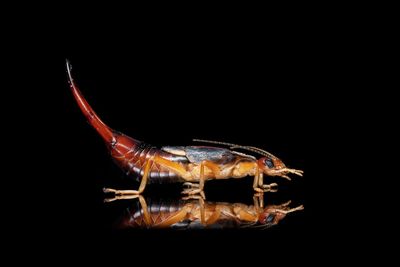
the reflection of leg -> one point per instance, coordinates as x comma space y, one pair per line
145, 210
202, 211
133, 192
258, 200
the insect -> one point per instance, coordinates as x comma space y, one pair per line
191, 165
193, 214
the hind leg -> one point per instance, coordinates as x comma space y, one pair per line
127, 194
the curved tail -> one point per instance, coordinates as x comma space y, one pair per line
105, 132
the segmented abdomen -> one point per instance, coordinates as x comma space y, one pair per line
132, 155
159, 211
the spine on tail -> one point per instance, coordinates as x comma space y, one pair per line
105, 132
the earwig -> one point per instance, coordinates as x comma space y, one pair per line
190, 165
195, 213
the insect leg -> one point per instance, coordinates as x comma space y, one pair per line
259, 186
202, 211
256, 179
127, 194
145, 176
258, 200
191, 185
266, 187
173, 166
270, 187
118, 197
261, 180
200, 188
145, 210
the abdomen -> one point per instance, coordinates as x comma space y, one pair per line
133, 158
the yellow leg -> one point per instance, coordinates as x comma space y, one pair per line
258, 200
200, 187
261, 180
146, 214
270, 187
119, 197
180, 170
173, 166
202, 211
132, 192
190, 185
259, 186
256, 179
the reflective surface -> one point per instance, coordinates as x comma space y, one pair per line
197, 213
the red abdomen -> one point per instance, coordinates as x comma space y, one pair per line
132, 155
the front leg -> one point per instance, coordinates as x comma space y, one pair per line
259, 180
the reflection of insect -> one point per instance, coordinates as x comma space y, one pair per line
193, 214
192, 165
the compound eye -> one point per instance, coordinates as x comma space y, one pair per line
270, 218
269, 163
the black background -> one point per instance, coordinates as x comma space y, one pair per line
201, 72
167, 87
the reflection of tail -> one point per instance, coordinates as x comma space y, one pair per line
91, 116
